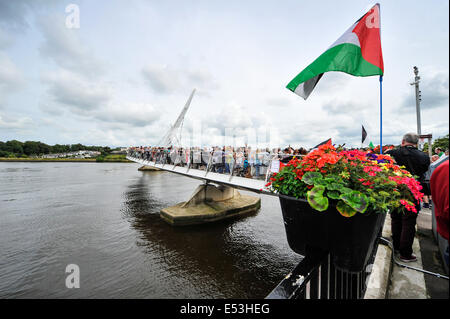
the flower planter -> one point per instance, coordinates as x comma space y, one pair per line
350, 241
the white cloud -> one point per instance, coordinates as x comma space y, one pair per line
11, 78
15, 123
12, 14
161, 78
164, 79
134, 114
74, 92
5, 39
66, 47
94, 101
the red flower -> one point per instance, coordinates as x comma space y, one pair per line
408, 206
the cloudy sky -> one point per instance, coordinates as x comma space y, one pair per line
121, 76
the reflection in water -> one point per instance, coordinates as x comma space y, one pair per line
221, 259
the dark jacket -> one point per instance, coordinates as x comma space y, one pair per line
416, 162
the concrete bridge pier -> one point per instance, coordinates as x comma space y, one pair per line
210, 203
148, 168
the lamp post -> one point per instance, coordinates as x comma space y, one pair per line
418, 99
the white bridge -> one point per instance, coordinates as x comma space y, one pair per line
250, 184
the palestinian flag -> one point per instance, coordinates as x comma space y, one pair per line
356, 52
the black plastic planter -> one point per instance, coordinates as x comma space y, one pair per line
349, 240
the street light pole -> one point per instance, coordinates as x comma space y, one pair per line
418, 99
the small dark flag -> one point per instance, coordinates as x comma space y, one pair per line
324, 142
364, 134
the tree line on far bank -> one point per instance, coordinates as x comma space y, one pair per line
16, 148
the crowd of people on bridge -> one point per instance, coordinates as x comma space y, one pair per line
240, 161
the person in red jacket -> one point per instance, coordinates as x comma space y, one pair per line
439, 191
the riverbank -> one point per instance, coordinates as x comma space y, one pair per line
105, 160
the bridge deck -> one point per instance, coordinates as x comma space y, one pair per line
249, 184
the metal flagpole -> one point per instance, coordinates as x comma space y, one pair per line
381, 114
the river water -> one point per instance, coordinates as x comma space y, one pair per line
104, 217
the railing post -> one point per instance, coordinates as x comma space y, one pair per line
231, 171
209, 164
328, 276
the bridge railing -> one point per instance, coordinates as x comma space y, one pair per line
315, 277
211, 161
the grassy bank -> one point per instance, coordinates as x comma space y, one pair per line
25, 159
106, 159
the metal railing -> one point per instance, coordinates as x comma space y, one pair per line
208, 165
317, 278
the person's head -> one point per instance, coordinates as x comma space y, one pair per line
434, 158
411, 139
437, 150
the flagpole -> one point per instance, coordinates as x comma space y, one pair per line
381, 114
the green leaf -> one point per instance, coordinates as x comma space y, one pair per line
345, 190
334, 177
334, 186
311, 177
383, 194
356, 200
316, 199
333, 194
319, 181
345, 210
